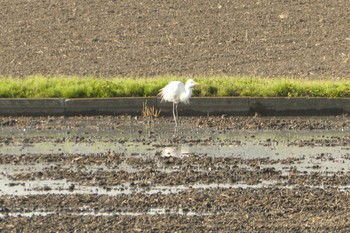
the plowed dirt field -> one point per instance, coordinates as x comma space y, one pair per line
117, 38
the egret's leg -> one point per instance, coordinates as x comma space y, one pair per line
174, 113
177, 112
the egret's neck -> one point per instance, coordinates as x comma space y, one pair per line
186, 95
188, 91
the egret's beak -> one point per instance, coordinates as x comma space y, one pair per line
195, 83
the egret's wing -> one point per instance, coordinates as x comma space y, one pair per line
172, 92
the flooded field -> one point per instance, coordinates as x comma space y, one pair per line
208, 174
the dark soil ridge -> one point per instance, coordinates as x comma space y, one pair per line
117, 38
235, 210
112, 123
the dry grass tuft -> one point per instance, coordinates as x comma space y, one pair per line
150, 111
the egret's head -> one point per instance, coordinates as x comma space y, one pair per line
191, 83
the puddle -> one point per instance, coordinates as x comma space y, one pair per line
25, 214
61, 187
151, 212
43, 187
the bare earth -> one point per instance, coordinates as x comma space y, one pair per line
113, 38
217, 174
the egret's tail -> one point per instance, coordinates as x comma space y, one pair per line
161, 95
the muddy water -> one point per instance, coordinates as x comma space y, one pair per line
60, 159
247, 145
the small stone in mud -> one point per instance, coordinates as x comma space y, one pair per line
47, 188
71, 187
108, 189
15, 184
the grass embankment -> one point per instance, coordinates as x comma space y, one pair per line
78, 87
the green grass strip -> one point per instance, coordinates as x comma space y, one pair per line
214, 86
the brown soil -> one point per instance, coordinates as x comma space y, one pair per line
217, 192
268, 38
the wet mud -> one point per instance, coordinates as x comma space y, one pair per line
144, 175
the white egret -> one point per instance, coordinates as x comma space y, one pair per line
177, 92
